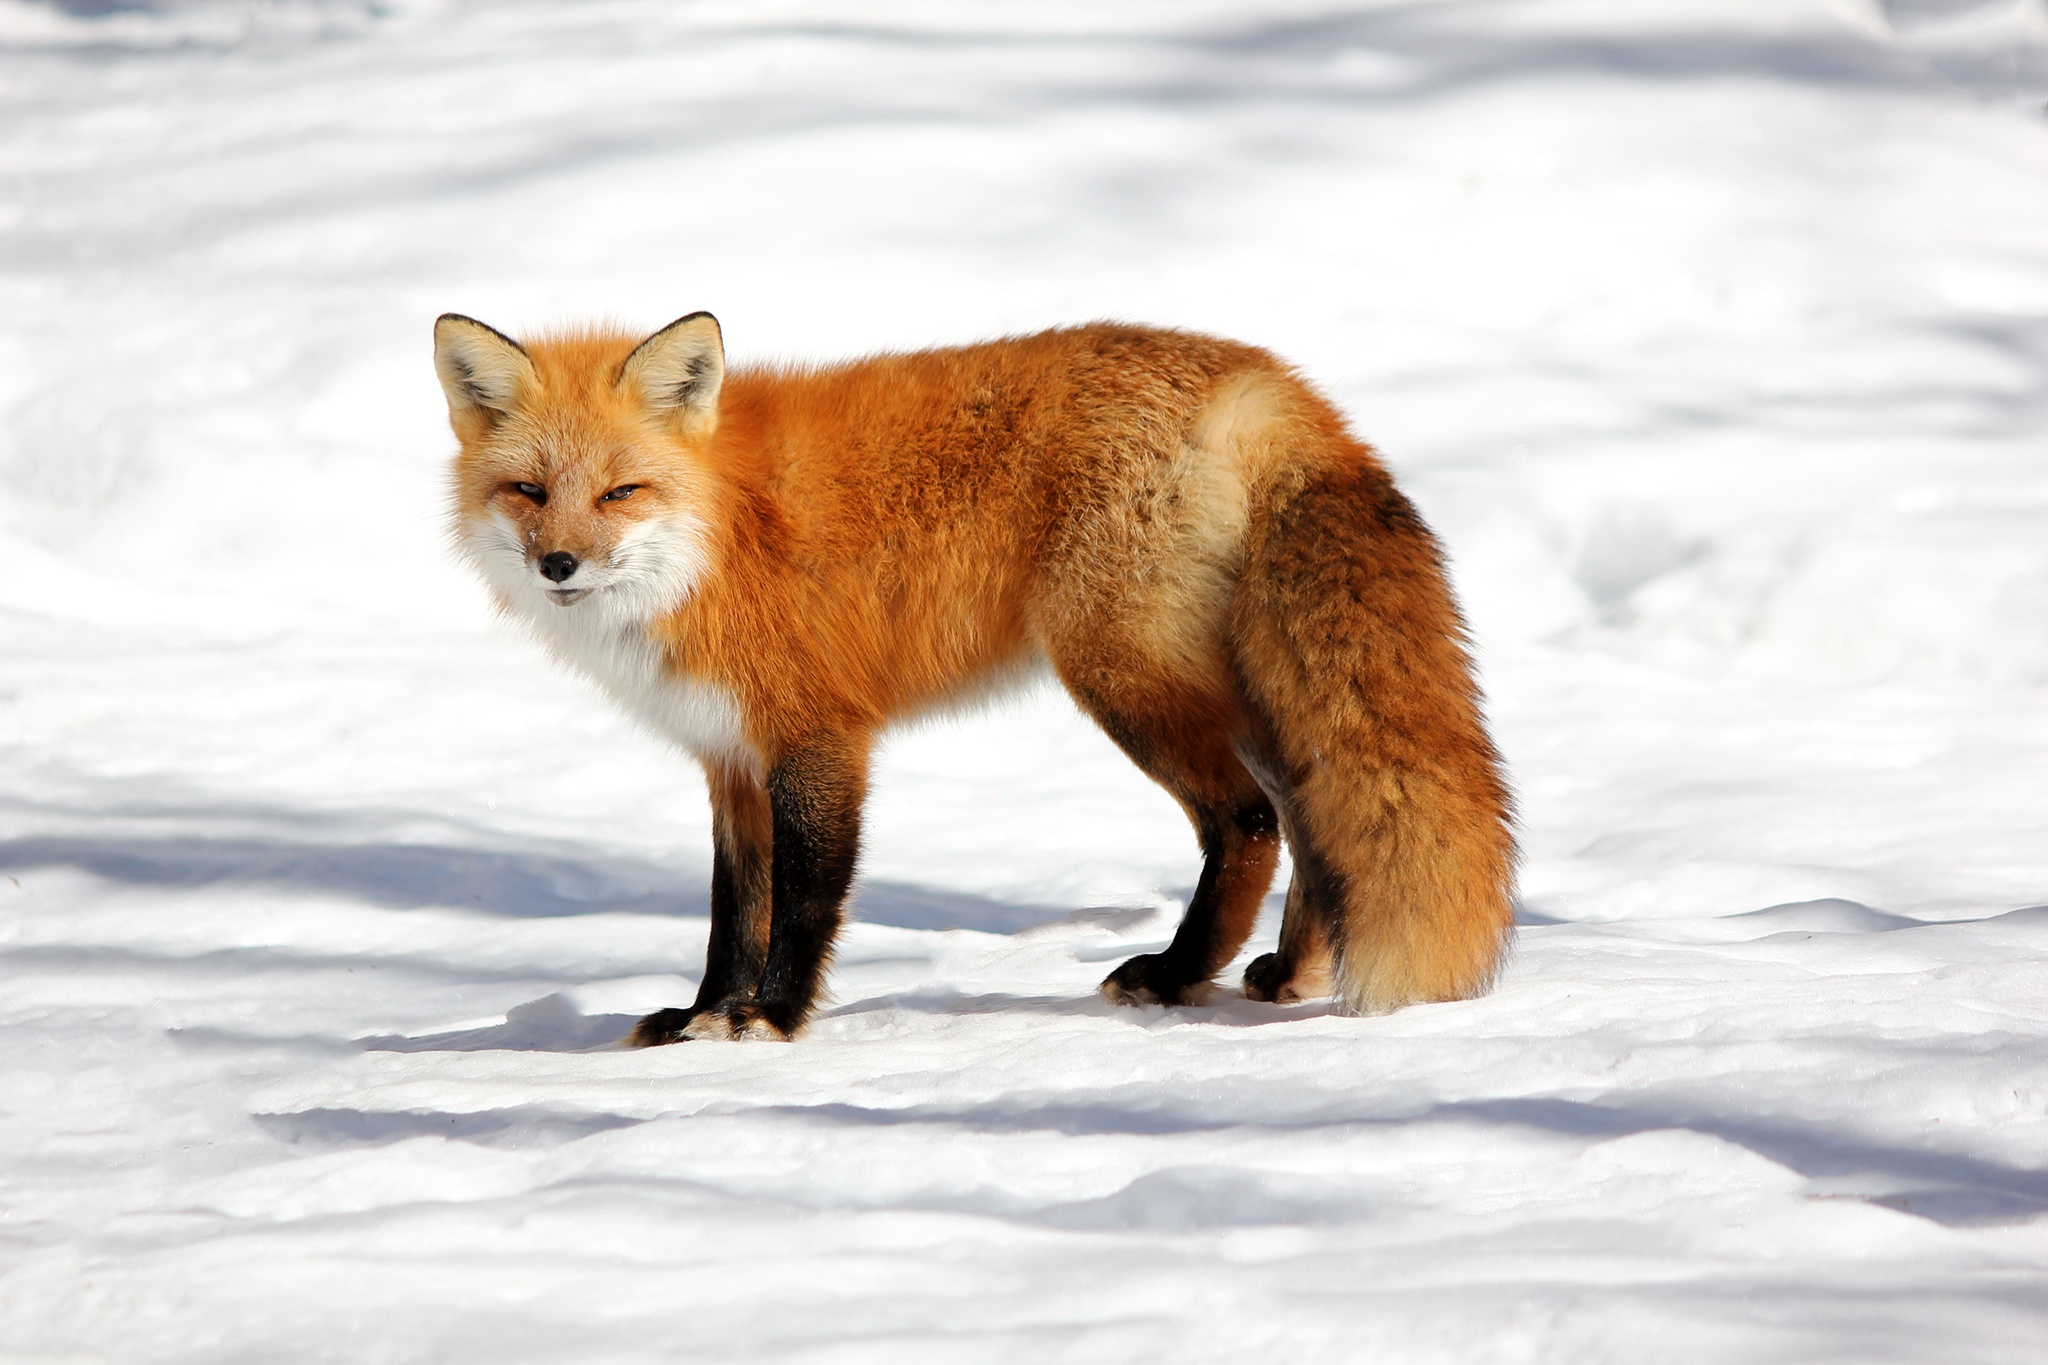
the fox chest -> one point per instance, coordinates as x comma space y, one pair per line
695, 714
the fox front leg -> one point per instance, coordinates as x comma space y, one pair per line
737, 953
815, 795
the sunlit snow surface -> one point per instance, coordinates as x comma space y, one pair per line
1713, 336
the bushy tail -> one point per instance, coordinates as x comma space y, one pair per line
1352, 652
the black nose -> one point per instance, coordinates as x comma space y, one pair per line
557, 567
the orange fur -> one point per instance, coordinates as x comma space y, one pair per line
1215, 568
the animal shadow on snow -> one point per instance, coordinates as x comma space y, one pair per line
549, 1024
310, 854
304, 854
170, 845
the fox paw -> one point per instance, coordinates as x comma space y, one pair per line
1148, 980
661, 1028
735, 1022
720, 1023
1276, 981
1265, 977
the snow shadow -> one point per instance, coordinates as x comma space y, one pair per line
905, 905
1943, 1187
100, 9
256, 961
549, 1024
1197, 1198
1445, 53
520, 1127
1394, 57
558, 879
1224, 1007
1949, 1188
1450, 54
1528, 916
553, 1024
1831, 915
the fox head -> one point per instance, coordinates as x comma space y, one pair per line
580, 484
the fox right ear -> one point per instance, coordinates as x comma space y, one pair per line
483, 371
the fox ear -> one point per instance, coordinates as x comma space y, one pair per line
679, 369
484, 372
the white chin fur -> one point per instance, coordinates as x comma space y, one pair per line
603, 632
651, 571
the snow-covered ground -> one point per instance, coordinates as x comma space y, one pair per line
1713, 336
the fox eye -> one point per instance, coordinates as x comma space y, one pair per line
532, 490
621, 493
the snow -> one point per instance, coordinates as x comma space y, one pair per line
1711, 334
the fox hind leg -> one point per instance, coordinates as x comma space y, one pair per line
1303, 966
1183, 743
1301, 969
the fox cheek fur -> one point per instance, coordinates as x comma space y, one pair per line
770, 567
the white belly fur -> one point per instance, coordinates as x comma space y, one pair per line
700, 716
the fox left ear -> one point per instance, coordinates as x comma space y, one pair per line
678, 370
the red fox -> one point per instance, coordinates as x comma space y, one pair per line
770, 565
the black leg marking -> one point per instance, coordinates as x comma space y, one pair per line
1314, 898
738, 949
661, 1027
738, 946
1181, 737
1237, 861
815, 798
